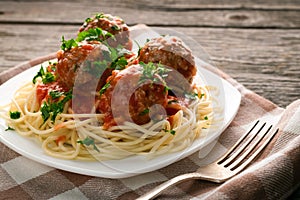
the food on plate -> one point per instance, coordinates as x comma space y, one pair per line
113, 25
101, 100
170, 51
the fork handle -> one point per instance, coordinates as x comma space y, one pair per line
176, 180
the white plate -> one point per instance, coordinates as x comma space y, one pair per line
228, 98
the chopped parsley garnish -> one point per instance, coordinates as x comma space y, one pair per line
191, 95
99, 15
115, 28
93, 34
166, 89
205, 118
104, 88
114, 58
144, 112
47, 77
88, 141
14, 115
54, 108
151, 70
87, 20
117, 57
9, 129
170, 131
139, 51
119, 63
68, 44
55, 94
156, 73
95, 68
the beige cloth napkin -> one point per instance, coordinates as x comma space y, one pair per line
273, 176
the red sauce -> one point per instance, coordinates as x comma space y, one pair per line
42, 91
61, 138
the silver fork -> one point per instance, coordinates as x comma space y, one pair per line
245, 150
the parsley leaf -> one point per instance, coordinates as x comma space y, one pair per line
140, 48
119, 63
144, 112
95, 68
68, 44
191, 95
113, 58
88, 141
55, 94
46, 110
99, 15
93, 34
54, 108
170, 131
87, 20
9, 129
117, 57
47, 77
14, 115
40, 73
151, 71
115, 27
104, 88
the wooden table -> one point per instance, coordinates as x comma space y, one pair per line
256, 42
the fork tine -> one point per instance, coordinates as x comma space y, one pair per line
249, 150
256, 153
243, 147
232, 149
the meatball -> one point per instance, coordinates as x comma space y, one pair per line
112, 24
172, 52
129, 97
77, 64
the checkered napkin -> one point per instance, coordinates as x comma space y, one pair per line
273, 176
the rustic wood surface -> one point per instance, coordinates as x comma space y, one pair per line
257, 42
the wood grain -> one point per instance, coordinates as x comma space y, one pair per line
180, 13
184, 4
266, 61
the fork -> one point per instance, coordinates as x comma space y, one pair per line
244, 151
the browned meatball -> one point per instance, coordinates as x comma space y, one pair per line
112, 24
76, 64
130, 98
172, 52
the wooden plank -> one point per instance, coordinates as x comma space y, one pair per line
217, 4
55, 12
262, 60
186, 4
